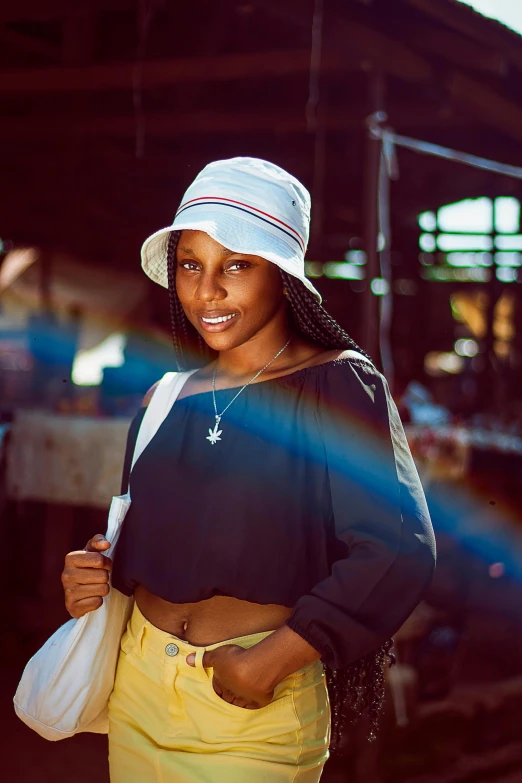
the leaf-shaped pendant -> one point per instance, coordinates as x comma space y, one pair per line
214, 435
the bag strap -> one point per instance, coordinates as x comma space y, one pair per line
164, 397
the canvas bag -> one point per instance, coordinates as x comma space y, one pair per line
66, 685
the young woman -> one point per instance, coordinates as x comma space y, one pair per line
278, 534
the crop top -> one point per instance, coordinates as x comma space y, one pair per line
310, 500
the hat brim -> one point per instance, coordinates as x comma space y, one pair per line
241, 236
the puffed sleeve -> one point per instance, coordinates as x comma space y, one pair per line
380, 518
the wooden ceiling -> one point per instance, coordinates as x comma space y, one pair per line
110, 107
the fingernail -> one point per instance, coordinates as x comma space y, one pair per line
191, 659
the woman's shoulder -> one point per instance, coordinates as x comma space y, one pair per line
352, 357
334, 373
347, 367
350, 382
167, 381
148, 396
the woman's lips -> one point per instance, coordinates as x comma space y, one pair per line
219, 327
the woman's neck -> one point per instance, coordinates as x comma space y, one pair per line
248, 359
235, 367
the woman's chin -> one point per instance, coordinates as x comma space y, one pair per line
220, 341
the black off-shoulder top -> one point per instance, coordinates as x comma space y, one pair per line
310, 500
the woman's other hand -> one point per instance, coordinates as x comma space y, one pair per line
234, 679
85, 577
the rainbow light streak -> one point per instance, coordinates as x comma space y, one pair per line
360, 455
494, 534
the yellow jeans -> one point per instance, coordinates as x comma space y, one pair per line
168, 725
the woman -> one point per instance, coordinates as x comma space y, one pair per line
278, 534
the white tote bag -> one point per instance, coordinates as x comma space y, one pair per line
66, 685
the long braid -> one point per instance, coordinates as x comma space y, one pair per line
358, 689
177, 324
313, 320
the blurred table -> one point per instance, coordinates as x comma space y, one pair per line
78, 460
65, 463
65, 459
453, 452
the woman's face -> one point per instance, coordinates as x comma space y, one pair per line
228, 297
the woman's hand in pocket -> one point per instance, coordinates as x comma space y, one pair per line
85, 577
235, 680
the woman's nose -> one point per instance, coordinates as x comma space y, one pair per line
209, 289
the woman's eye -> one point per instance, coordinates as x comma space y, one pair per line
192, 266
239, 265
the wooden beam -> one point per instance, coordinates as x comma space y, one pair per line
473, 25
47, 10
29, 43
390, 55
187, 70
490, 107
458, 49
78, 36
40, 128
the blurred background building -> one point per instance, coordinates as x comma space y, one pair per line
404, 120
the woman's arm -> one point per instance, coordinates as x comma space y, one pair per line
380, 516
277, 656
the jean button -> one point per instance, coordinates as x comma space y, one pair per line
172, 649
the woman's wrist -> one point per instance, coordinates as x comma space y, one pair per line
277, 656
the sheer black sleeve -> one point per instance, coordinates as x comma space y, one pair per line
379, 515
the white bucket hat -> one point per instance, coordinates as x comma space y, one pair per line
249, 206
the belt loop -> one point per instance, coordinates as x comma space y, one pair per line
198, 658
140, 637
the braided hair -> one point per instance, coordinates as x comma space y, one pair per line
358, 689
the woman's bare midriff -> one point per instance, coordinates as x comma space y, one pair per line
214, 620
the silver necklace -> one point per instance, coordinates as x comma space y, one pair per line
215, 434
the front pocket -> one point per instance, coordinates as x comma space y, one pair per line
277, 701
220, 722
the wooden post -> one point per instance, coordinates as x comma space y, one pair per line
316, 122
317, 226
492, 376
386, 298
370, 326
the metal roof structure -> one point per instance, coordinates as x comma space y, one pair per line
110, 108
